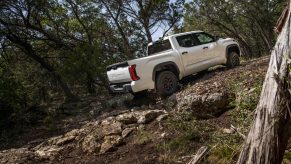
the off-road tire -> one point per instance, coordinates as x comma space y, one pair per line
233, 60
166, 83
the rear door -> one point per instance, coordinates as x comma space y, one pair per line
209, 46
192, 53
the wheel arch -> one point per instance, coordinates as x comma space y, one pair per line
166, 66
232, 48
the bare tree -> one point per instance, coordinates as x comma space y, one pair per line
270, 131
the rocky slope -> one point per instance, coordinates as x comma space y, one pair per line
161, 131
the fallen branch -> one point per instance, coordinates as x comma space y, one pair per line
235, 129
201, 153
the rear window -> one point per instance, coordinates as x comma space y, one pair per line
159, 46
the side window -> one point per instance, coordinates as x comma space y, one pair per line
159, 46
204, 38
186, 41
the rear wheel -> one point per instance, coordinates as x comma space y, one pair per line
166, 83
233, 60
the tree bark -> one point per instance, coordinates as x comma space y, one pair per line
270, 131
148, 33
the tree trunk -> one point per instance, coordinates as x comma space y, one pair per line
270, 131
90, 84
148, 32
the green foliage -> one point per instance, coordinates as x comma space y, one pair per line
143, 137
13, 100
49, 122
246, 98
188, 132
287, 157
223, 154
226, 147
250, 22
73, 41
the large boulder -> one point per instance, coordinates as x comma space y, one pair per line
206, 105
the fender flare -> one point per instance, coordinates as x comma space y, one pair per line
231, 46
163, 66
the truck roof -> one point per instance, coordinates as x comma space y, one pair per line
189, 32
175, 35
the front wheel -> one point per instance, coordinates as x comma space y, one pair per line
166, 83
233, 60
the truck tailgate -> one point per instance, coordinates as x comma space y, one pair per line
118, 73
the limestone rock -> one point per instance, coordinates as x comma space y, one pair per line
126, 132
110, 142
74, 132
65, 140
148, 116
162, 117
53, 140
228, 131
127, 118
171, 101
90, 144
110, 126
206, 105
49, 152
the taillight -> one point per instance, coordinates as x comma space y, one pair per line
132, 73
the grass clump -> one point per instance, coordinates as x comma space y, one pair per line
247, 96
287, 157
188, 134
226, 147
143, 137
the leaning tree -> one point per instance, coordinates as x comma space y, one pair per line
270, 131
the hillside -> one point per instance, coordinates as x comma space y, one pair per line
212, 109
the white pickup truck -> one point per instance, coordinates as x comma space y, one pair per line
170, 59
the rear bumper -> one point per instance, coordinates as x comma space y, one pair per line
121, 88
132, 87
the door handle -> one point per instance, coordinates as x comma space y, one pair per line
184, 53
204, 48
